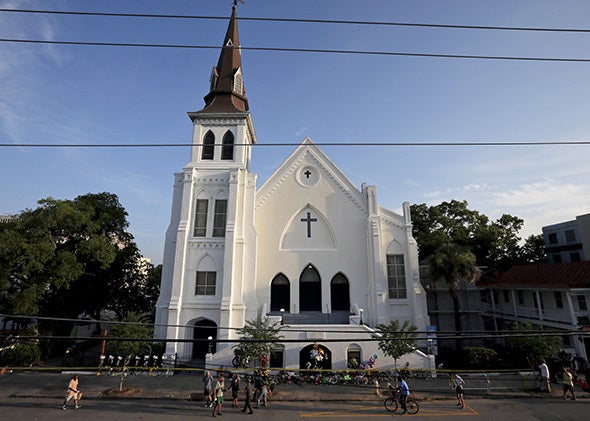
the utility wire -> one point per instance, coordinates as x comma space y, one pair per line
295, 20
258, 145
300, 50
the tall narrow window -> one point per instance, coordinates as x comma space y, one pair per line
396, 276
227, 147
520, 295
582, 303
558, 299
208, 145
205, 283
219, 218
201, 218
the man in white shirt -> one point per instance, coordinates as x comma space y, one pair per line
545, 381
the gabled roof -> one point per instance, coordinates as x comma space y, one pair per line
544, 275
307, 148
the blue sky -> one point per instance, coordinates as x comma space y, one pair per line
108, 95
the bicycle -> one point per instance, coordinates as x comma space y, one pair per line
394, 401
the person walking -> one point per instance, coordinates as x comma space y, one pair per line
405, 393
545, 380
458, 382
248, 390
218, 395
73, 392
568, 383
261, 400
235, 389
208, 389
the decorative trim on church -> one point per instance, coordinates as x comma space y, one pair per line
206, 245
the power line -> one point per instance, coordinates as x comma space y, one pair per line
291, 144
296, 20
300, 50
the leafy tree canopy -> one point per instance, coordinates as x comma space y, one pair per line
532, 345
397, 339
69, 257
495, 243
258, 338
131, 328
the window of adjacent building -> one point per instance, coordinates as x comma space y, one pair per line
553, 238
506, 296
582, 303
570, 236
205, 283
227, 146
208, 145
219, 218
575, 257
520, 296
484, 296
566, 340
558, 299
396, 276
495, 296
557, 258
201, 218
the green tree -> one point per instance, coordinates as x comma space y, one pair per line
495, 244
257, 338
533, 250
133, 326
530, 345
455, 265
396, 339
69, 257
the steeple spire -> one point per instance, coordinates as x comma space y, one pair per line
227, 92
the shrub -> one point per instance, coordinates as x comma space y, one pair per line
479, 357
21, 355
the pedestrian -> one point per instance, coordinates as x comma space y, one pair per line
458, 382
235, 389
208, 389
405, 393
73, 392
218, 395
568, 384
261, 400
545, 380
248, 390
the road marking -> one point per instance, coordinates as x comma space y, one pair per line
351, 411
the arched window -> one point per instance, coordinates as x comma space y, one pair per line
208, 145
227, 148
339, 293
280, 293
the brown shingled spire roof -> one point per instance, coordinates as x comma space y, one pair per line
227, 92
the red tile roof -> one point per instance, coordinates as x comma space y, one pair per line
544, 275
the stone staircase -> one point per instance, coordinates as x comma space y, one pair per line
315, 318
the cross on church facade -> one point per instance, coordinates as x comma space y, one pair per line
309, 220
307, 173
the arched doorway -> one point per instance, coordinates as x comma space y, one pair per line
202, 330
339, 293
310, 290
280, 293
315, 356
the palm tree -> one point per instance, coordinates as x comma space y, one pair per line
457, 266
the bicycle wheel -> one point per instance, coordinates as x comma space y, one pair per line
390, 404
412, 406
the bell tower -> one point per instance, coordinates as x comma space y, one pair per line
208, 256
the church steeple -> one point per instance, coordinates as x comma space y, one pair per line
227, 93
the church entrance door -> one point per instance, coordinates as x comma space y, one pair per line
310, 290
203, 329
339, 293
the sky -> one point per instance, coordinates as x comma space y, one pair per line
73, 94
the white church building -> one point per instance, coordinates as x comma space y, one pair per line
307, 248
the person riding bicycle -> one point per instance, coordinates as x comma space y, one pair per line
404, 395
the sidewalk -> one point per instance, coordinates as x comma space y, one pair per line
187, 386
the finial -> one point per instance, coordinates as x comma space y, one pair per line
236, 2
